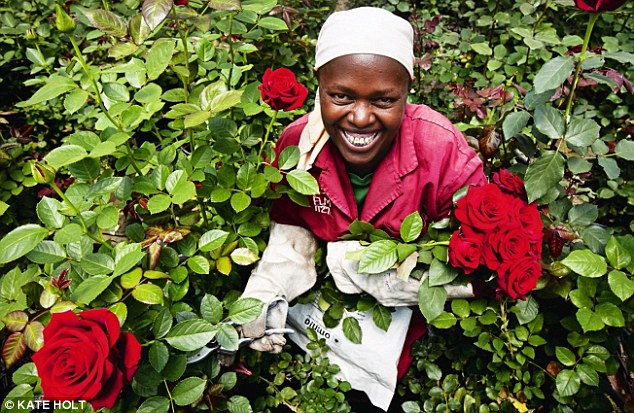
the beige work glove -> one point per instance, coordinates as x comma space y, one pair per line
385, 287
286, 271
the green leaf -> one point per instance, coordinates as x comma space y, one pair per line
273, 23
441, 273
160, 54
550, 122
303, 182
244, 310
148, 294
625, 150
127, 257
108, 22
352, 330
240, 201
382, 317
431, 300
586, 263
461, 308
90, 288
97, 264
155, 11
154, 404
25, 374
582, 132
568, 383
199, 264
617, 255
55, 86
48, 212
444, 320
482, 49
227, 336
289, 157
583, 215
47, 252
587, 374
589, 320
224, 101
65, 155
553, 73
378, 257
621, 285
565, 356
20, 241
116, 92
543, 174
227, 5
139, 29
211, 309
244, 256
159, 203
411, 227
212, 239
75, 100
190, 335
158, 355
188, 390
610, 314
514, 123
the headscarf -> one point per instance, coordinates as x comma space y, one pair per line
368, 30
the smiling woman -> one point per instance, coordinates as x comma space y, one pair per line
377, 159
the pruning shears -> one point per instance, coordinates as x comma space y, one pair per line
215, 348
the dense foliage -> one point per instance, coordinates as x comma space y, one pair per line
135, 177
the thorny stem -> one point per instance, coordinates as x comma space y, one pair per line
84, 65
230, 51
169, 395
582, 56
266, 135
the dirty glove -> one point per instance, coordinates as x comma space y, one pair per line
286, 270
385, 287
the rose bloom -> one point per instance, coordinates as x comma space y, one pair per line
510, 183
519, 277
599, 5
533, 228
281, 90
486, 207
86, 357
464, 251
508, 243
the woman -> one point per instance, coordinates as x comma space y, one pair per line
376, 158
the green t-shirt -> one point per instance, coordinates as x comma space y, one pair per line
360, 187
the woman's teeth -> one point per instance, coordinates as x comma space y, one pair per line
359, 140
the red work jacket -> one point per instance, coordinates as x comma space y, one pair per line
428, 162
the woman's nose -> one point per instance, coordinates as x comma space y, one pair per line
361, 115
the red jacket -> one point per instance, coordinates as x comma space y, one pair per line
428, 162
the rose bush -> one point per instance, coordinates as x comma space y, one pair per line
86, 357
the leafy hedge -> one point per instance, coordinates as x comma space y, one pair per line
133, 164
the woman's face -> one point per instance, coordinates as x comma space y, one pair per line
363, 99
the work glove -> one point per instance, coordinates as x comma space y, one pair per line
286, 271
385, 287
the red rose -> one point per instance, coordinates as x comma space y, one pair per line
464, 251
599, 5
507, 243
181, 2
487, 207
510, 183
86, 357
519, 277
533, 228
281, 90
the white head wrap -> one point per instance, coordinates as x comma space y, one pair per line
368, 30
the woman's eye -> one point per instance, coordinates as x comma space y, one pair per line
385, 101
341, 98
